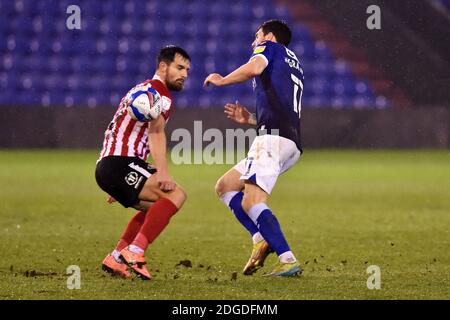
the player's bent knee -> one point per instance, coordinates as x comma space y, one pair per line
183, 194
227, 183
220, 187
177, 196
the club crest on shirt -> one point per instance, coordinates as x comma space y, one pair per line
166, 102
259, 49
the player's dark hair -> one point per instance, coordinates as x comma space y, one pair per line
167, 54
279, 29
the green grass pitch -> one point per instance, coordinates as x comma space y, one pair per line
341, 212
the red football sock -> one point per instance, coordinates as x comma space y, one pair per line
156, 220
131, 231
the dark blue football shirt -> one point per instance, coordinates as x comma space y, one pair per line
279, 92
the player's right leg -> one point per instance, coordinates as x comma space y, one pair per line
229, 189
268, 157
157, 217
151, 193
131, 182
112, 263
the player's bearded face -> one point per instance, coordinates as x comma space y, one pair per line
177, 73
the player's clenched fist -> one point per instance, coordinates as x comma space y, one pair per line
215, 79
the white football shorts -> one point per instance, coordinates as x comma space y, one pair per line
268, 157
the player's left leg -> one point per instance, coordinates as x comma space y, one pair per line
269, 157
255, 204
229, 189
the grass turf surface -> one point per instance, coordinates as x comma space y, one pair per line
341, 212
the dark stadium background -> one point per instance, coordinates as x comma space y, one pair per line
364, 88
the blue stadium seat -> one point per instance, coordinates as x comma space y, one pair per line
116, 49
7, 8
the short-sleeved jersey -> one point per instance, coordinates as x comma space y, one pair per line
128, 137
279, 91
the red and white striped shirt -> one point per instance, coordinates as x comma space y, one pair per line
128, 137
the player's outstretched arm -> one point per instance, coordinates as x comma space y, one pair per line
158, 147
245, 72
238, 113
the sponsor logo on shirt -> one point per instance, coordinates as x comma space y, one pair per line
259, 49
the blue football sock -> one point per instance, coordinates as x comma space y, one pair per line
236, 206
269, 227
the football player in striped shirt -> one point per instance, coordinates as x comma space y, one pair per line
123, 172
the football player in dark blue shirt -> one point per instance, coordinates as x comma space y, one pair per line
278, 82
